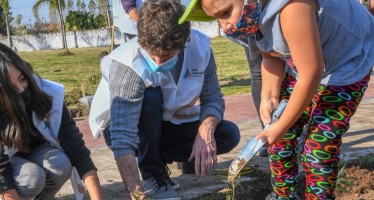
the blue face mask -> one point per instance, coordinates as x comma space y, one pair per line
164, 67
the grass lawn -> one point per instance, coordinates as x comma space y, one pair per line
80, 73
232, 66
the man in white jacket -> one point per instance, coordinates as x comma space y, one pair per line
166, 102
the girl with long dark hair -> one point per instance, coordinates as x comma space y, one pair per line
40, 145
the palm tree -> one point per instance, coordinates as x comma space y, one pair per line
6, 8
56, 8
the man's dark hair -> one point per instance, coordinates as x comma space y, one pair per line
158, 28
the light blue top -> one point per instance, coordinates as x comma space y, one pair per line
347, 36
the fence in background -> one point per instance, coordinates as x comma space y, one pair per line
88, 38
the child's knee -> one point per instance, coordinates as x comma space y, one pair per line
29, 180
58, 167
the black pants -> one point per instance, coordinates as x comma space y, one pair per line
164, 142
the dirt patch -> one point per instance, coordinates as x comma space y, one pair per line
79, 110
359, 172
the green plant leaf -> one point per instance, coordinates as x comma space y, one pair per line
340, 188
347, 183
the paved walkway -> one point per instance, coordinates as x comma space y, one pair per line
239, 108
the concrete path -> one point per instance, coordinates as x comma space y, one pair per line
239, 108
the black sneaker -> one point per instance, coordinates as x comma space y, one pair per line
186, 167
263, 152
166, 174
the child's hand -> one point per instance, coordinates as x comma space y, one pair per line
266, 109
274, 133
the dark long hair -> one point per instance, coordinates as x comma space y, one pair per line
15, 118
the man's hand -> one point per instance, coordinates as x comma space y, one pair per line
130, 175
204, 149
134, 15
10, 194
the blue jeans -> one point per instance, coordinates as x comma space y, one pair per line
256, 84
163, 142
42, 172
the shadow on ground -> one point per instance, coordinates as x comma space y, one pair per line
115, 189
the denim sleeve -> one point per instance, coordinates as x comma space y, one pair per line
128, 5
253, 50
126, 93
211, 98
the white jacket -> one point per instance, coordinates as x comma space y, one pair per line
50, 127
179, 100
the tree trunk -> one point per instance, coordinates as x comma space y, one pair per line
104, 4
62, 24
218, 29
105, 7
110, 29
10, 43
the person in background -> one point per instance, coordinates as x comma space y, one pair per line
40, 146
131, 8
319, 55
166, 103
254, 59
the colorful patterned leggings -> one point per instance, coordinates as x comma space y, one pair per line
325, 120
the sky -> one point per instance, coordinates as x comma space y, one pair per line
24, 8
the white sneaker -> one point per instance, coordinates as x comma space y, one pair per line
157, 188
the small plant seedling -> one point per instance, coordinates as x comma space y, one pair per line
230, 191
137, 195
342, 181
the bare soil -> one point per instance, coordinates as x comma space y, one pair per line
360, 172
79, 110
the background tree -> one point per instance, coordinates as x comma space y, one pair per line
83, 6
78, 20
56, 8
19, 19
70, 6
2, 21
20, 28
78, 5
104, 7
5, 7
104, 10
100, 21
92, 7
